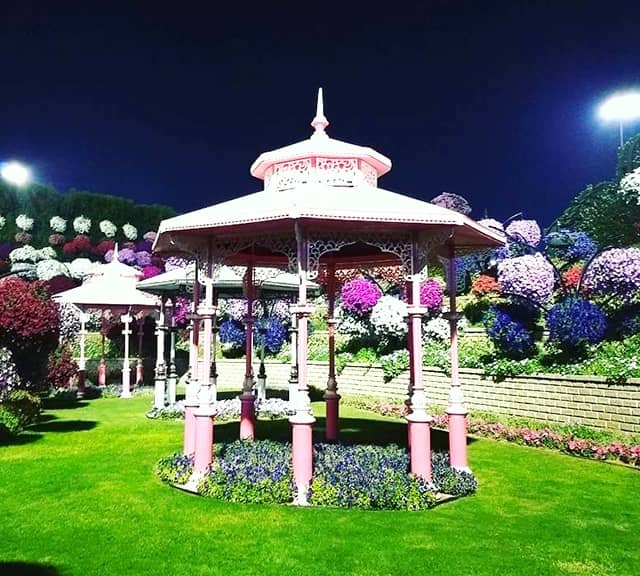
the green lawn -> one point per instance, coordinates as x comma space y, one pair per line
78, 495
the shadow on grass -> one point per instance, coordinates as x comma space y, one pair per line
64, 426
27, 569
20, 440
56, 404
352, 431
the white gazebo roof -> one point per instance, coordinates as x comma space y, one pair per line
111, 285
228, 279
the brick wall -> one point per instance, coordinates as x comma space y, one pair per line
567, 399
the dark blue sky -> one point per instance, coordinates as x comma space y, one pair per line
171, 104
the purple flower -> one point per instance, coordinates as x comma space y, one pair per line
615, 272
144, 246
431, 295
143, 258
360, 295
5, 250
452, 202
526, 231
527, 276
127, 256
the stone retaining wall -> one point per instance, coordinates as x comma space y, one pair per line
587, 400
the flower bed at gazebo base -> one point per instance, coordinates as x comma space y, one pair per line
360, 476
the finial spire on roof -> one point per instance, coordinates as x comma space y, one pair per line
320, 121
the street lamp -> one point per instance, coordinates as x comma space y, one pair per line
15, 173
621, 107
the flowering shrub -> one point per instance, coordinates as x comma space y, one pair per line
232, 332
614, 272
144, 245
181, 310
280, 310
360, 295
24, 254
108, 228
79, 244
57, 239
150, 272
352, 325
29, 324
439, 329
571, 277
631, 183
58, 224
48, 269
103, 247
388, 320
270, 333
130, 232
175, 469
150, 236
46, 253
485, 285
24, 222
59, 284
143, 259
126, 256
575, 322
529, 276
61, 368
394, 364
81, 224
526, 231
431, 295
510, 327
23, 237
3, 221
235, 308
452, 202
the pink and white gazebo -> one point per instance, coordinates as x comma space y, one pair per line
111, 287
321, 208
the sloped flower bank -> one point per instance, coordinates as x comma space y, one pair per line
345, 476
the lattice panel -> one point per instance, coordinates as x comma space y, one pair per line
337, 171
369, 173
290, 174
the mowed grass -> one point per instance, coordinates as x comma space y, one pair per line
78, 496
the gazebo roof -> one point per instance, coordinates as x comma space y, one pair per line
324, 185
228, 281
111, 285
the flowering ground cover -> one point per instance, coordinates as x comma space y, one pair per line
78, 494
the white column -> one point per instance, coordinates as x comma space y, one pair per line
206, 310
293, 377
172, 372
160, 369
126, 368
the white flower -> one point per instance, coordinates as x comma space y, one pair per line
24, 222
388, 317
3, 221
349, 325
25, 253
631, 183
58, 224
130, 231
80, 267
25, 270
151, 235
436, 329
48, 269
82, 224
46, 253
108, 228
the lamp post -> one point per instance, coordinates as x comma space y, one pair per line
621, 107
15, 173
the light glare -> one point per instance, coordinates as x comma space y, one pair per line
15, 173
621, 107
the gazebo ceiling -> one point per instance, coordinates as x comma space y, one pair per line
326, 187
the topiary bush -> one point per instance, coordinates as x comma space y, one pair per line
575, 322
512, 328
61, 367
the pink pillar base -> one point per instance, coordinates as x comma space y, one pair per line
332, 404
139, 374
102, 373
420, 450
189, 430
247, 418
302, 449
204, 441
458, 441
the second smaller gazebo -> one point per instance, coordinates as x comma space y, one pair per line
111, 287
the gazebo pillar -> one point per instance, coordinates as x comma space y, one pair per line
205, 411
126, 367
102, 366
214, 337
161, 368
331, 397
191, 395
419, 420
139, 365
302, 421
82, 361
293, 373
456, 410
247, 416
172, 371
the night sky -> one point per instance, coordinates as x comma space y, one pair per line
493, 100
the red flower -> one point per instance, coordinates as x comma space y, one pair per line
484, 285
571, 277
